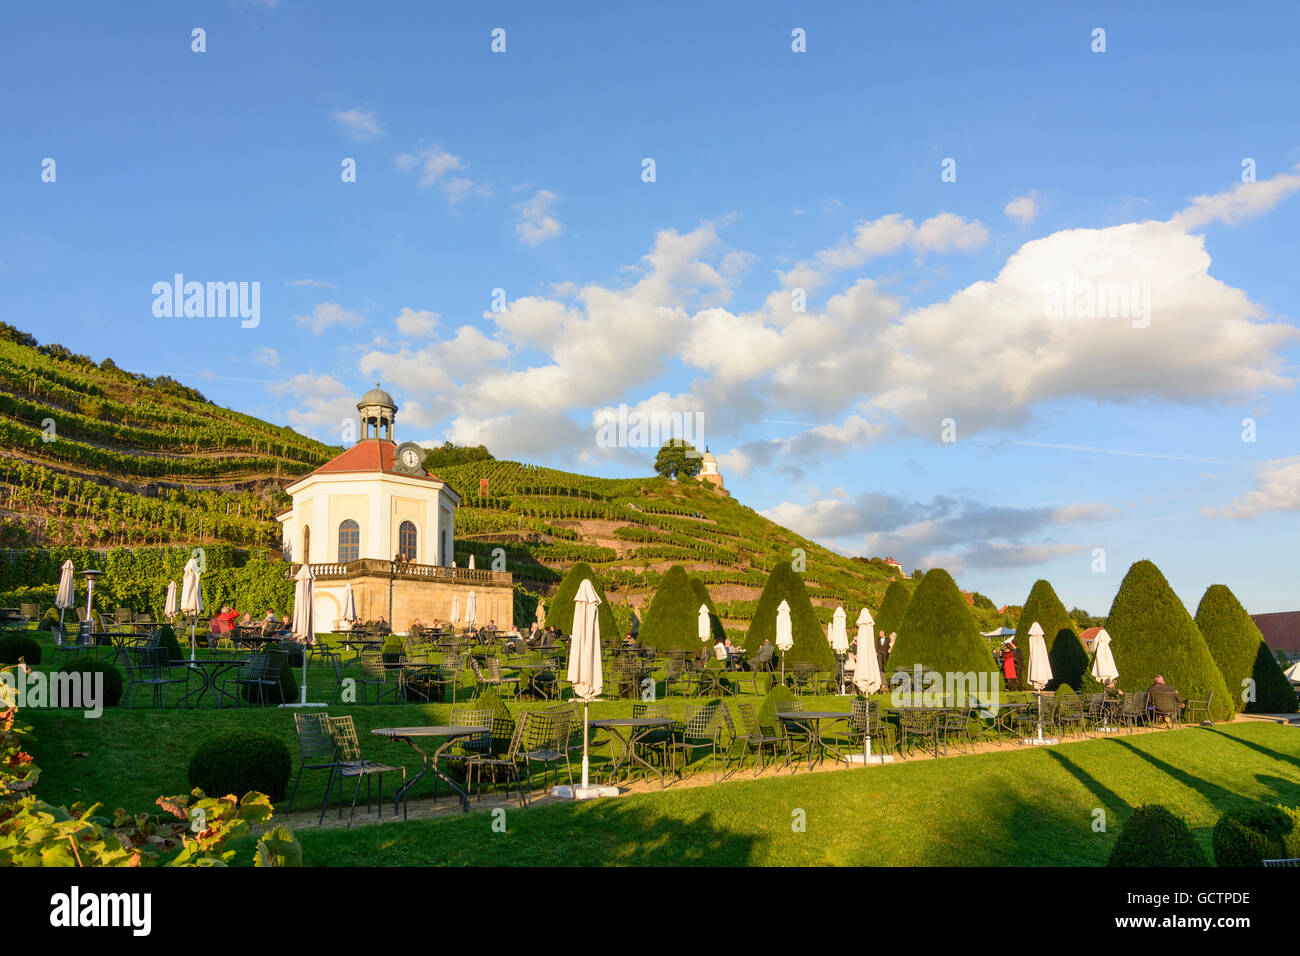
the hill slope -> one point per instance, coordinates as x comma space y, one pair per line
135, 461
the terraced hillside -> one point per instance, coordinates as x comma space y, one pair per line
94, 456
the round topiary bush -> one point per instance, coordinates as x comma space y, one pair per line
1243, 658
1249, 836
239, 762
18, 644
1152, 633
284, 692
92, 665
1155, 837
49, 621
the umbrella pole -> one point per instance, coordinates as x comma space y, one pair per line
586, 732
192, 623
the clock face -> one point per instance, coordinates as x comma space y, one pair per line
409, 458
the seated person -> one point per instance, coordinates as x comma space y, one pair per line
1163, 701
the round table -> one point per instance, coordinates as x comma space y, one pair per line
209, 669
629, 731
409, 735
811, 721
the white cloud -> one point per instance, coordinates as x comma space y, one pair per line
1277, 488
323, 404
436, 167
327, 315
1243, 201
358, 124
267, 356
414, 323
311, 283
535, 223
1023, 209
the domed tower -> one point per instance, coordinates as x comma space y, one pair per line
709, 469
377, 412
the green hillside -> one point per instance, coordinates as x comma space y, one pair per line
138, 462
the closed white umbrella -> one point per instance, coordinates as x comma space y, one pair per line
471, 610
304, 626
541, 611
350, 605
1292, 673
839, 638
784, 633
866, 678
66, 598
171, 605
703, 629
1040, 672
1103, 664
455, 609
587, 679
191, 596
471, 562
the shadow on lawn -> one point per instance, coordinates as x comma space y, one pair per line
1112, 801
1258, 748
1219, 796
603, 833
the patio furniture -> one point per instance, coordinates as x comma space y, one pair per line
1133, 713
763, 660
1198, 711
654, 741
251, 677
626, 731
919, 725
492, 676
447, 674
375, 674
508, 761
699, 733
802, 677
449, 735
713, 682
754, 737
677, 676
547, 742
351, 763
29, 612
154, 669
806, 725
207, 670
315, 752
1070, 715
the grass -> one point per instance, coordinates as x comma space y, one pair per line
1017, 808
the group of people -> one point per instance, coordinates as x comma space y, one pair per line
882, 646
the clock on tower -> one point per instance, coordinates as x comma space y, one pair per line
409, 459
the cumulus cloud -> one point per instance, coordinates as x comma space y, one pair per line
1243, 201
326, 315
1277, 488
358, 124
323, 404
436, 168
536, 223
1023, 209
267, 356
414, 323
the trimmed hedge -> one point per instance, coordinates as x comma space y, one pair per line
893, 608
113, 683
559, 613
286, 692
810, 644
1153, 836
18, 644
672, 620
1251, 835
167, 639
1152, 633
49, 620
776, 697
939, 633
1065, 651
702, 596
1238, 648
239, 762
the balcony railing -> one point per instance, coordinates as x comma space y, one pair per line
435, 572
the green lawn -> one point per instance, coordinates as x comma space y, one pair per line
1019, 808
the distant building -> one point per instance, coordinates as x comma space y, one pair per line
1281, 631
1088, 637
709, 469
374, 518
894, 564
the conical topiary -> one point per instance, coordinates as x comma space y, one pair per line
672, 620
702, 596
1153, 836
810, 644
1065, 652
1238, 648
893, 608
1152, 633
939, 633
559, 612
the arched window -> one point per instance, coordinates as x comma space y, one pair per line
406, 541
306, 545
349, 541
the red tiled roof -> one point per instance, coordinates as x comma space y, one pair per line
369, 454
1089, 634
1281, 630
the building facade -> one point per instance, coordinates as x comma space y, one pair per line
375, 519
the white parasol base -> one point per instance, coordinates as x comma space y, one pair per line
1040, 741
584, 793
870, 760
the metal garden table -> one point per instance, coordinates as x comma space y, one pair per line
811, 721
629, 731
209, 669
449, 735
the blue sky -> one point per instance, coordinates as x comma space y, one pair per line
774, 171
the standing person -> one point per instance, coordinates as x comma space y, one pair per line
1009, 669
882, 652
